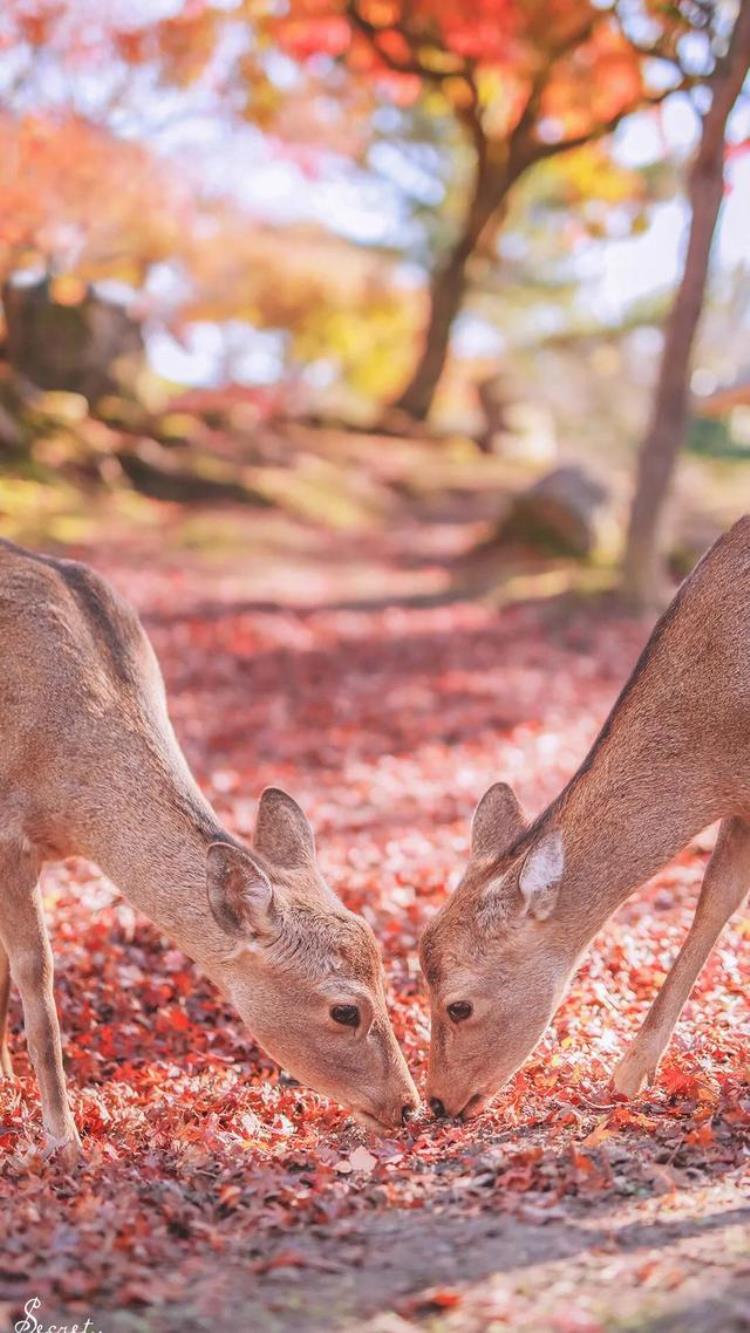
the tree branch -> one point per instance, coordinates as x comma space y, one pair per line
412, 66
540, 152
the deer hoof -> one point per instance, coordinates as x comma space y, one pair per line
65, 1151
633, 1074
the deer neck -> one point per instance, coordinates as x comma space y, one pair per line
623, 816
159, 860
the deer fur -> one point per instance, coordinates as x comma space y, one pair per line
672, 758
90, 766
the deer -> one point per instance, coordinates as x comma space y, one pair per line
672, 758
90, 766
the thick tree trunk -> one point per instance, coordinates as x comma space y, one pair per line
643, 574
448, 289
446, 298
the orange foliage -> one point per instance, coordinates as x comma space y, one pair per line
576, 59
472, 29
86, 33
75, 199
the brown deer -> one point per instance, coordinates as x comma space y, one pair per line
90, 766
673, 757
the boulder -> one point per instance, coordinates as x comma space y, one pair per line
560, 513
73, 348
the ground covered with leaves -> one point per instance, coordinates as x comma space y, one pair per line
215, 1192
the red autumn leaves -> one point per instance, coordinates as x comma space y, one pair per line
386, 724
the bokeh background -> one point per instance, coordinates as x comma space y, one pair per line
283, 273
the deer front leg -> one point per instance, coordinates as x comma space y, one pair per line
6, 1064
724, 886
25, 942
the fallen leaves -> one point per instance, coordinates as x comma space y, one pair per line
387, 725
430, 1300
359, 1160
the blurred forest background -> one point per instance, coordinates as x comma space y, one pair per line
274, 269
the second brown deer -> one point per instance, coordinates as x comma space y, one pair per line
90, 766
672, 758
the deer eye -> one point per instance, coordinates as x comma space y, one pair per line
346, 1014
459, 1010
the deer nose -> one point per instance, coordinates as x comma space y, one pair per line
437, 1108
407, 1112
474, 1106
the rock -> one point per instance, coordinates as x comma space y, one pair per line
560, 513
72, 347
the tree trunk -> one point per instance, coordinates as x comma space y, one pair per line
446, 298
448, 289
643, 574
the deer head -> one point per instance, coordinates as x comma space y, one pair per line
494, 958
303, 972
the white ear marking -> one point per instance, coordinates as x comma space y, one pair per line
541, 873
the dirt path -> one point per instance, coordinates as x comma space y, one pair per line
667, 1263
659, 1266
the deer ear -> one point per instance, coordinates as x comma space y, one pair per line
540, 875
498, 821
239, 891
283, 833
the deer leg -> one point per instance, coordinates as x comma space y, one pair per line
6, 1064
25, 942
724, 886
